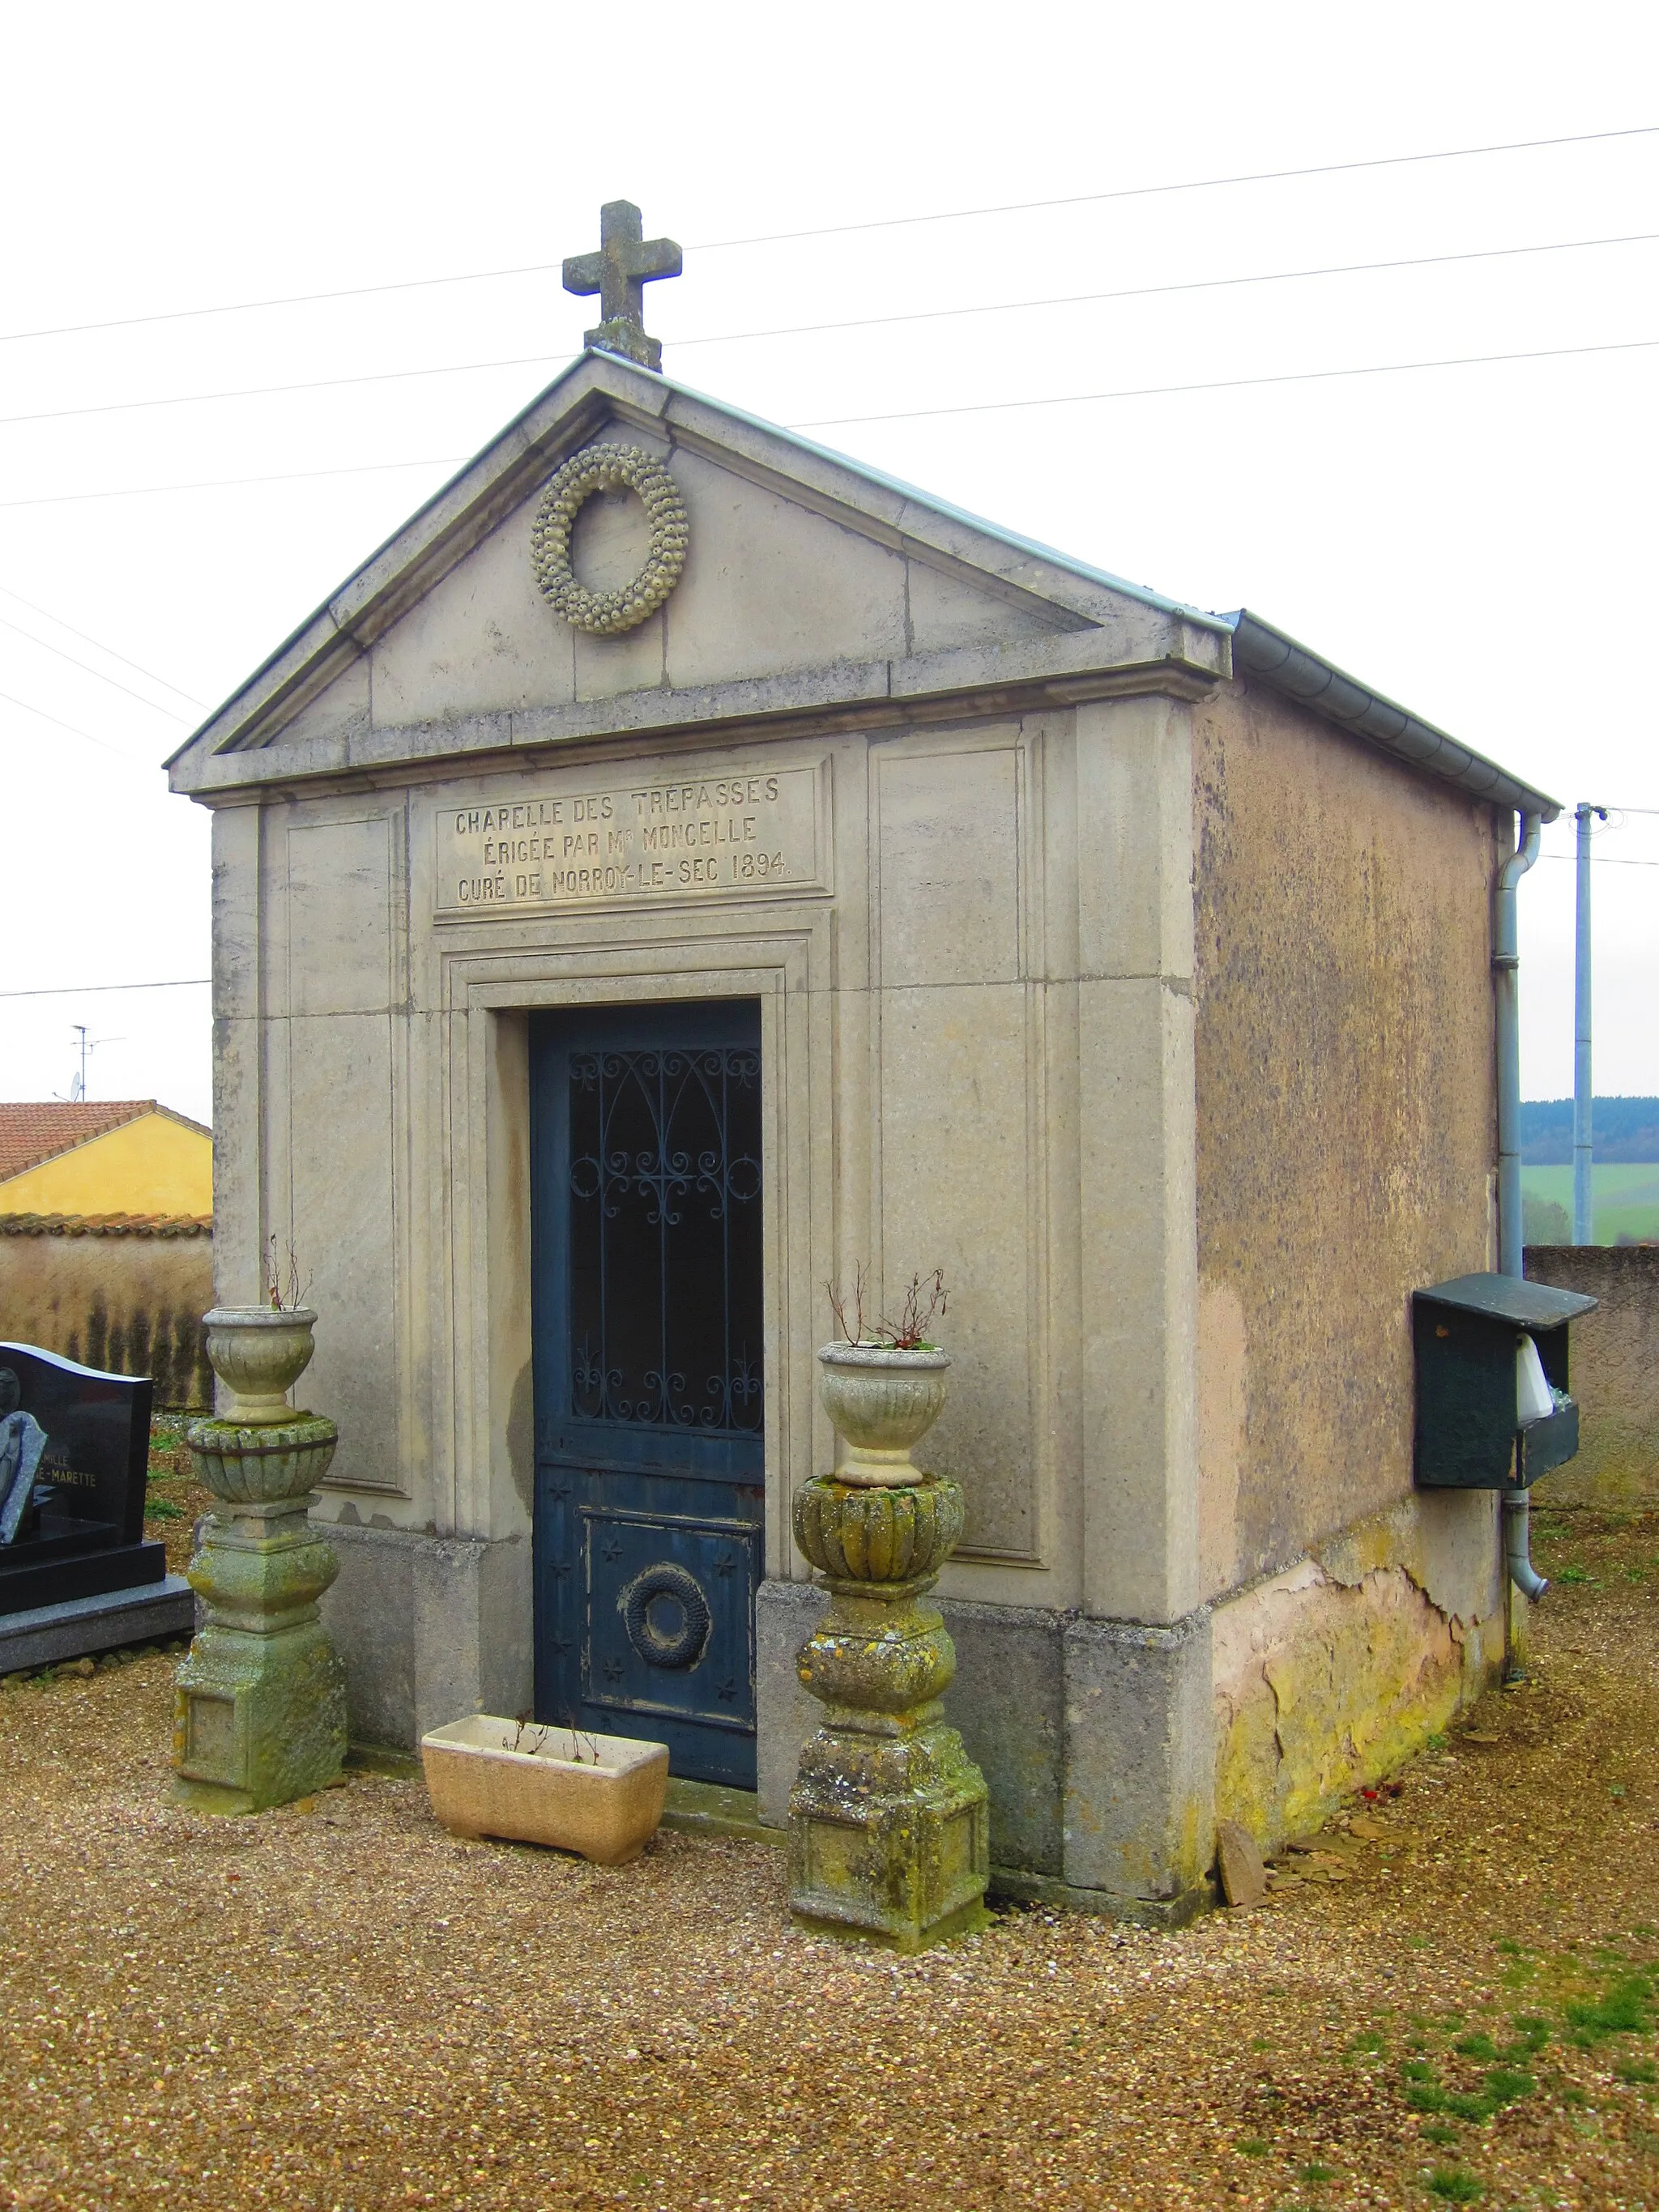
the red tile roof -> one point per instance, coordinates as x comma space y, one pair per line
31, 1133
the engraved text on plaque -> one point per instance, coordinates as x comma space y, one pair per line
696, 835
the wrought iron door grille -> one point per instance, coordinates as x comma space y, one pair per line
666, 1326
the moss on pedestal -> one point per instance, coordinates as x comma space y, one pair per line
889, 1826
260, 1715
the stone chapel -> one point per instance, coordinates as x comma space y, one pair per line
683, 866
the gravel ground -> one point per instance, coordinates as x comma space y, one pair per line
345, 2009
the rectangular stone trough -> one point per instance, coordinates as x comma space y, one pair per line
600, 1795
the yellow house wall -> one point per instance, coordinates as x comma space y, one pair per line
152, 1166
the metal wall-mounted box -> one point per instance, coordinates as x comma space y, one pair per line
1467, 1334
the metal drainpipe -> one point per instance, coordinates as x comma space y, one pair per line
1506, 989
1583, 1088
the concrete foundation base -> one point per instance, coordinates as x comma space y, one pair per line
429, 1628
1095, 1739
1139, 1912
48, 1634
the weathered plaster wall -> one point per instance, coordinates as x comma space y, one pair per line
1615, 1372
1346, 1141
131, 1304
1331, 1672
1346, 1116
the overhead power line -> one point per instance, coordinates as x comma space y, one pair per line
232, 484
1223, 383
1159, 291
901, 415
839, 230
269, 391
104, 743
859, 323
172, 714
86, 638
1191, 185
80, 990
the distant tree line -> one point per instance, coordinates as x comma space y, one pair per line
1621, 1128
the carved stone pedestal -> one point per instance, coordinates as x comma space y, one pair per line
261, 1716
888, 1834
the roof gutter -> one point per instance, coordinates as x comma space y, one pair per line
1261, 650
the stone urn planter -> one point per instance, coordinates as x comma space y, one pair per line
260, 1715
880, 1400
258, 1353
600, 1795
888, 1818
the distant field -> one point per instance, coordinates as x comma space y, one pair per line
1627, 1195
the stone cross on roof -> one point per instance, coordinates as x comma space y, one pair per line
619, 273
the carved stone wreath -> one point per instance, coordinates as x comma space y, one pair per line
604, 468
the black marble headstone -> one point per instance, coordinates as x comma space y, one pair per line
83, 1533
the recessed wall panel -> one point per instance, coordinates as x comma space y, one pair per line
954, 1147
342, 1195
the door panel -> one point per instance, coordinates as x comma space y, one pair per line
646, 1165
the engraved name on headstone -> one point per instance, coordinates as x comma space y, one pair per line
738, 834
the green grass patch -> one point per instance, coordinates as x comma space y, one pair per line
1638, 2069
1478, 2046
1506, 2086
1436, 2132
1621, 2010
1456, 2185
1251, 2145
1467, 2106
1315, 2176
1574, 1574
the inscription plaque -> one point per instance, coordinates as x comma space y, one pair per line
738, 834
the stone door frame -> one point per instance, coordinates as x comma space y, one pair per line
482, 1344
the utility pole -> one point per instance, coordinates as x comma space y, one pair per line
1584, 1195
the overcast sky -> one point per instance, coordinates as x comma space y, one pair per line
1478, 541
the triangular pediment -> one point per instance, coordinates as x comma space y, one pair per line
806, 579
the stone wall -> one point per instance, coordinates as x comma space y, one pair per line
1615, 1372
121, 1293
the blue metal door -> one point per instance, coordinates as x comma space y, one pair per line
645, 1177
